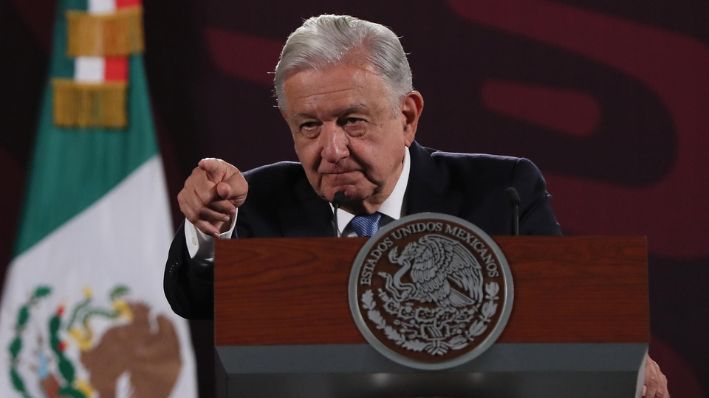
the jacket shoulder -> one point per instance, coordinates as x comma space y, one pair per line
278, 170
480, 167
274, 178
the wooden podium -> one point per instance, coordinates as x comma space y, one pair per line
579, 325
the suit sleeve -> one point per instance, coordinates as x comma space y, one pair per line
188, 285
536, 214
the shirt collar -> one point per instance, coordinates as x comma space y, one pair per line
393, 205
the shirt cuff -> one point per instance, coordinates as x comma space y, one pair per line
200, 245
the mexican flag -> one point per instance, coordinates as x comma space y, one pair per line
83, 312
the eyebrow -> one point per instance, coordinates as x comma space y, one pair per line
351, 109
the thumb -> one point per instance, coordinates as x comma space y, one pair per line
233, 188
224, 190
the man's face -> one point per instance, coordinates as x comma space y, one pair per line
348, 132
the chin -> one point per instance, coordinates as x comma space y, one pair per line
355, 189
351, 193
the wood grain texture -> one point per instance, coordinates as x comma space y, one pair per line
567, 289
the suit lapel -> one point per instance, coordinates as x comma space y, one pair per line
428, 188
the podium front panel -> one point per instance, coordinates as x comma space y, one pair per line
579, 325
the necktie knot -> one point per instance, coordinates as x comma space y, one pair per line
366, 225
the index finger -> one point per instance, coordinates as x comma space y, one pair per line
217, 170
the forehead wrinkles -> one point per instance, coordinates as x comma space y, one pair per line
309, 102
330, 102
347, 79
335, 91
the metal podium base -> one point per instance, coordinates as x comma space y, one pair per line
505, 370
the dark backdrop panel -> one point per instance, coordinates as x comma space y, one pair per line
608, 98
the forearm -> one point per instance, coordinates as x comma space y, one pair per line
188, 282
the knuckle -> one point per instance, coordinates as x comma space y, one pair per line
190, 216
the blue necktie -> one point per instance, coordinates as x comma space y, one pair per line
366, 225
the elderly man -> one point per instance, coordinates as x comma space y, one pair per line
344, 88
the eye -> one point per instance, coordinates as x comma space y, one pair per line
348, 121
309, 129
354, 126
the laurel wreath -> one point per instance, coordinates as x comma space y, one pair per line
457, 342
64, 365
489, 309
376, 317
15, 348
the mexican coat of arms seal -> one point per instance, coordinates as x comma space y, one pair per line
430, 291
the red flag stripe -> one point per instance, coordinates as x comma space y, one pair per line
116, 69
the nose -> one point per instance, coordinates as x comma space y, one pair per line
334, 143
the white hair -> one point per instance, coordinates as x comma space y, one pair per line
328, 40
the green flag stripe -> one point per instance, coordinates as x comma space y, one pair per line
72, 168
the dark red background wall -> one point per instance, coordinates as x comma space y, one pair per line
609, 98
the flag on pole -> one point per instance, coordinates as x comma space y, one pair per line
83, 312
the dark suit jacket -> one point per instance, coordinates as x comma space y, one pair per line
281, 203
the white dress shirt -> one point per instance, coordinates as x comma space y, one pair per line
392, 206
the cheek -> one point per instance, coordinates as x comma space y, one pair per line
380, 164
307, 153
387, 154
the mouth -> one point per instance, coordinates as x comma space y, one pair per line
341, 179
340, 173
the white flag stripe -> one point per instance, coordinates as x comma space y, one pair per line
102, 6
101, 248
89, 69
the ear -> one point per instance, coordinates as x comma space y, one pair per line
411, 108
